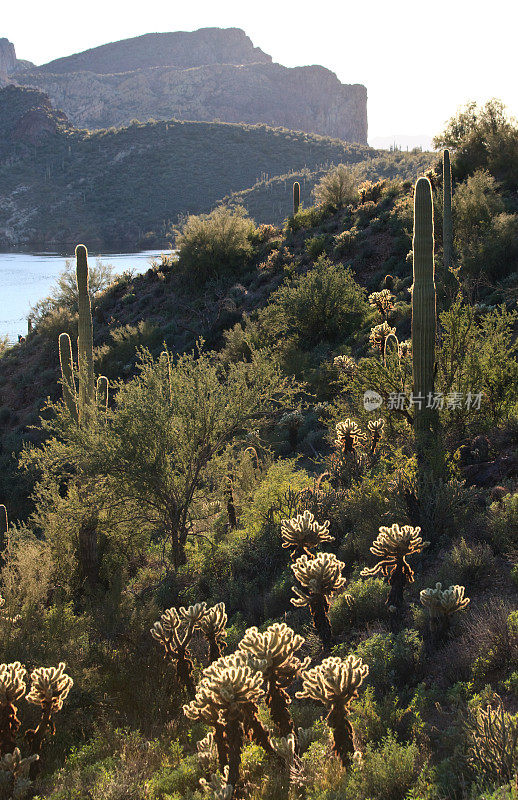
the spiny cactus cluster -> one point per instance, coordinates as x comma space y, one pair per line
318, 579
50, 686
393, 546
353, 451
383, 302
349, 437
493, 753
174, 631
345, 364
80, 402
379, 335
304, 533
15, 782
262, 670
275, 650
441, 604
335, 683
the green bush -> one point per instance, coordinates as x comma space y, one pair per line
211, 245
394, 660
387, 772
369, 605
337, 188
325, 304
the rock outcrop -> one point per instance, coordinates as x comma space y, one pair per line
7, 57
210, 74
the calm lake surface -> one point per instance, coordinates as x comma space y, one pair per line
26, 278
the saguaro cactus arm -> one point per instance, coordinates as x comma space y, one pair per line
67, 375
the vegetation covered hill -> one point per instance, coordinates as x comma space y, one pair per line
257, 489
59, 183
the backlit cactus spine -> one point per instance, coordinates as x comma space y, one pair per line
85, 344
447, 223
296, 197
423, 306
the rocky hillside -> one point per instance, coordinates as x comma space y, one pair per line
210, 74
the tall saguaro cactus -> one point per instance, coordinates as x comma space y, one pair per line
85, 344
424, 319
447, 223
296, 197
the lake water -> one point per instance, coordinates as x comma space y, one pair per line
26, 278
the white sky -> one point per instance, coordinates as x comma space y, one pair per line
419, 61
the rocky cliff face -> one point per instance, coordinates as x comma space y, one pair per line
7, 57
210, 74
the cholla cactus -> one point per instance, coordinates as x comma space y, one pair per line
212, 625
292, 421
12, 689
218, 785
379, 335
405, 348
206, 750
493, 754
383, 301
376, 429
393, 546
319, 578
14, 775
227, 698
441, 604
275, 649
50, 686
303, 533
345, 364
174, 631
349, 436
335, 683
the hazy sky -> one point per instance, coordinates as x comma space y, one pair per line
419, 61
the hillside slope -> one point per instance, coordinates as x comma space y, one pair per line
209, 74
59, 184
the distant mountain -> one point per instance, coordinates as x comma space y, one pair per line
207, 75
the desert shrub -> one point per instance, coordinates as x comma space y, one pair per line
325, 304
387, 772
211, 245
394, 660
369, 605
503, 522
56, 321
316, 246
337, 188
305, 218
469, 564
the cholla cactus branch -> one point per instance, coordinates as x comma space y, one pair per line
174, 631
303, 533
50, 686
14, 775
335, 683
276, 649
345, 364
376, 429
319, 578
227, 695
12, 689
393, 546
379, 335
383, 301
441, 604
349, 436
218, 785
493, 754
212, 625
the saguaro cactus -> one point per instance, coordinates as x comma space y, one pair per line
296, 197
67, 375
85, 345
423, 309
447, 223
4, 525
